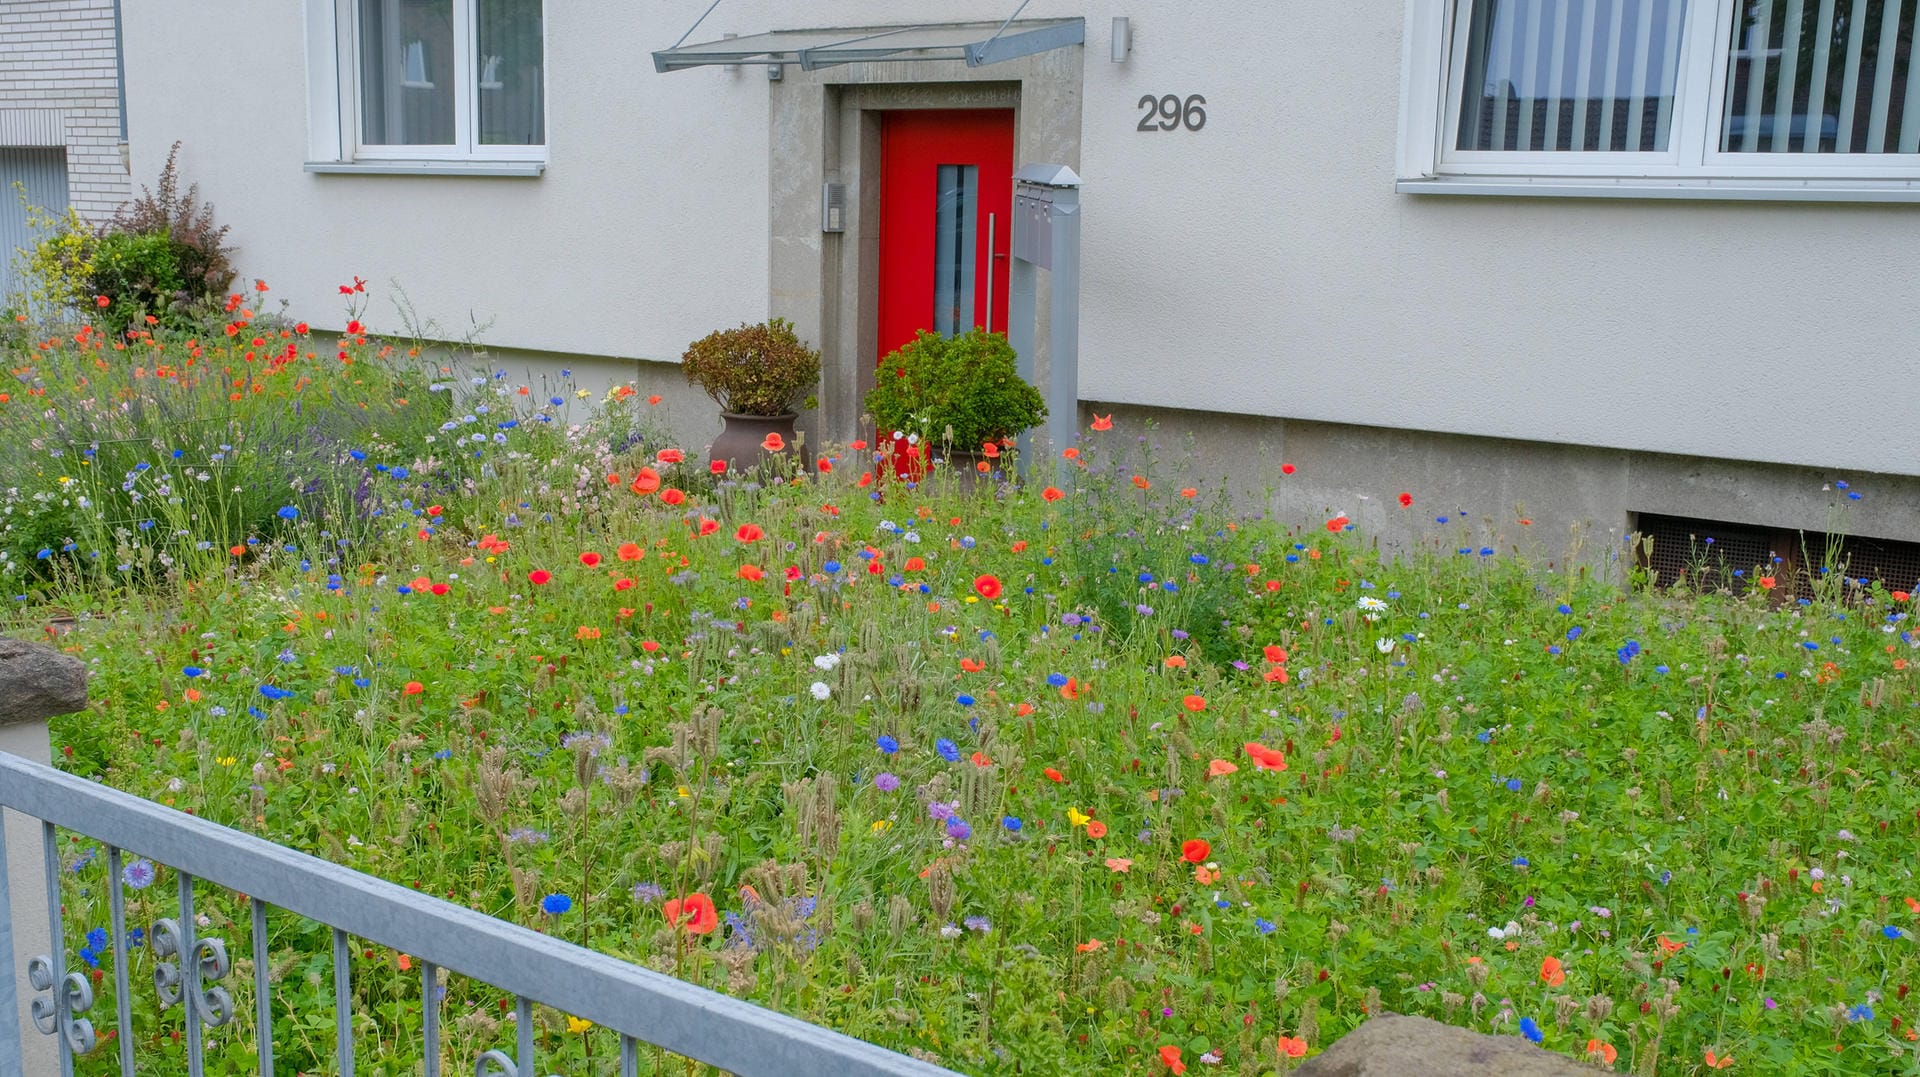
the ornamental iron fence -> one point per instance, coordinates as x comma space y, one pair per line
191, 968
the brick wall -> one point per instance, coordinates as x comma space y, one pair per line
57, 70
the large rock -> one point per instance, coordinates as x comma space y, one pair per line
37, 683
1393, 1045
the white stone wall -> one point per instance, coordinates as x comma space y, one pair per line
58, 56
1263, 266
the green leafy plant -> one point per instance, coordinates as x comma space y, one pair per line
162, 252
966, 383
761, 369
52, 274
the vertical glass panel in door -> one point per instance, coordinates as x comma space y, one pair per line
1571, 75
956, 210
509, 62
406, 72
1822, 76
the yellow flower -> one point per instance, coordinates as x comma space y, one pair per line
1077, 819
227, 760
575, 1024
881, 825
683, 791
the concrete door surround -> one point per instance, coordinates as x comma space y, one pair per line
825, 128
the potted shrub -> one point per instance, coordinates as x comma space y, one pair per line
966, 384
758, 374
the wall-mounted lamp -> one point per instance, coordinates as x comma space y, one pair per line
1122, 38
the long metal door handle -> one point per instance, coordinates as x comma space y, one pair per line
990, 239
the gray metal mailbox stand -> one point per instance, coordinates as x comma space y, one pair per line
1046, 235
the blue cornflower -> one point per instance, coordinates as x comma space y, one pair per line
1145, 577
947, 749
1862, 1012
97, 938
1564, 608
1056, 680
1485, 736
555, 904
274, 691
1892, 932
1531, 1029
1521, 862
1011, 822
1810, 645
887, 744
90, 956
830, 567
1264, 926
288, 512
192, 671
957, 829
1198, 558
963, 699
1513, 785
138, 873
1574, 632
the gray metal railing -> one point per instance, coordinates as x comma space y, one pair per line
642, 1006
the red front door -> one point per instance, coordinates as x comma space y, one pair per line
946, 199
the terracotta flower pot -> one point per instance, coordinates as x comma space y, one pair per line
743, 443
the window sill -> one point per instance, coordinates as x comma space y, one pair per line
1719, 190
522, 169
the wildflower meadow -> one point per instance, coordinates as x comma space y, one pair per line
1081, 770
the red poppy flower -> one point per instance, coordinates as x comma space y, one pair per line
1275, 653
1054, 775
1171, 1056
1096, 829
670, 456
654, 399
1292, 1046
708, 527
646, 482
1188, 491
1406, 500
672, 496
718, 467
696, 913
539, 576
1266, 758
440, 588
590, 559
915, 564
630, 551
773, 442
751, 572
413, 688
1338, 524
748, 533
1900, 596
1195, 851
1103, 422
623, 584
1196, 704
1052, 493
1286, 469
988, 586
972, 665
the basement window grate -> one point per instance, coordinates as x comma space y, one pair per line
1715, 554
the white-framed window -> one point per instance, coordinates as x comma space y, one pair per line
1720, 98
427, 85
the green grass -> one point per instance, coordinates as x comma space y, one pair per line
1700, 804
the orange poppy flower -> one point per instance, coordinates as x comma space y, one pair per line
708, 527
1174, 661
1103, 422
1194, 703
1671, 946
1119, 864
990, 450
1070, 453
1089, 946
1338, 524
1264, 757
1195, 850
1052, 493
972, 665
1605, 1052
630, 551
915, 564
748, 533
1900, 596
1188, 491
1141, 482
670, 456
1275, 653
1096, 829
1205, 876
1220, 768
413, 688
696, 913
1718, 1062
773, 442
1766, 583
1054, 775
1552, 972
1292, 1046
1071, 689
751, 572
646, 482
988, 586
672, 496
1171, 1056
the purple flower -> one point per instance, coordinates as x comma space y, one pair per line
886, 781
941, 810
958, 830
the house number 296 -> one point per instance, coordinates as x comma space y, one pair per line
1170, 113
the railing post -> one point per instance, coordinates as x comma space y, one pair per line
35, 684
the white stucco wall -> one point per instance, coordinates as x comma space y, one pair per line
1264, 264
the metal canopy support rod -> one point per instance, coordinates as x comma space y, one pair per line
975, 44
696, 24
